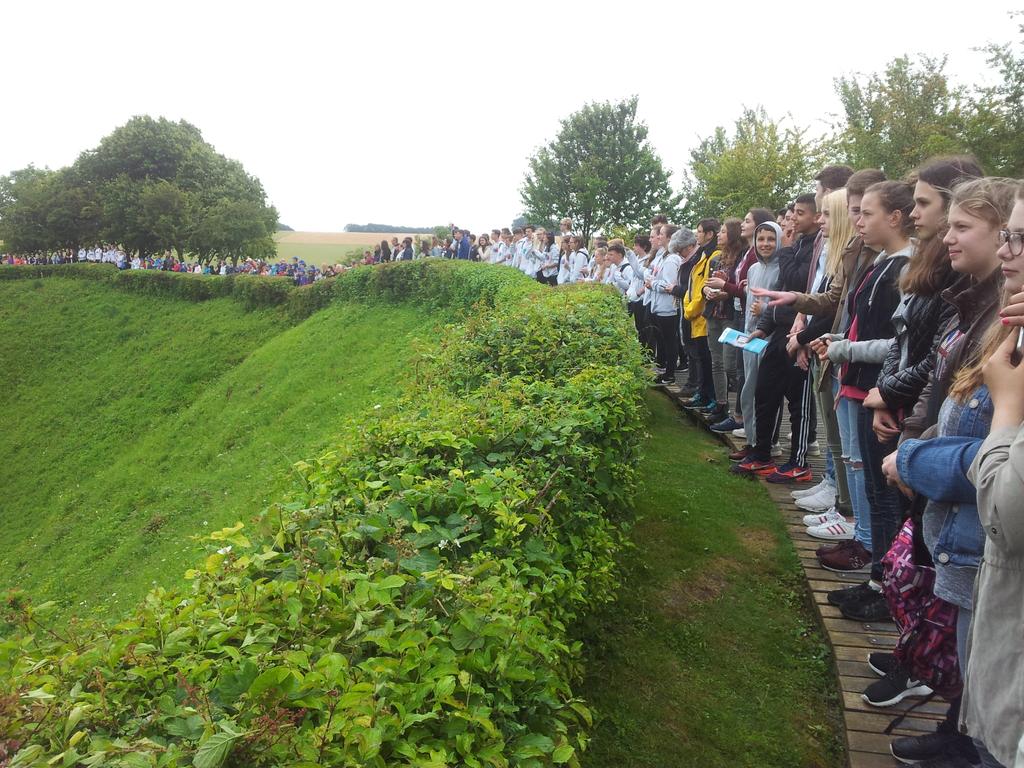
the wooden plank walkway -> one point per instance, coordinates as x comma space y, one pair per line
867, 746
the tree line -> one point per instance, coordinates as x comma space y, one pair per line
602, 172
389, 229
151, 186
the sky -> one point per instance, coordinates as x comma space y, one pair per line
417, 114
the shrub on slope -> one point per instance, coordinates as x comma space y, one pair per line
410, 604
456, 286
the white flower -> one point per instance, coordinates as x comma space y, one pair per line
376, 407
442, 544
224, 550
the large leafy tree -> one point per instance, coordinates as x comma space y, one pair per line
898, 118
994, 129
152, 185
600, 171
24, 204
762, 163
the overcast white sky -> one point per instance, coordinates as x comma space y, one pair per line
417, 113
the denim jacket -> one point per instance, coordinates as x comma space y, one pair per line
937, 469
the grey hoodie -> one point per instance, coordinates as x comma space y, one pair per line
762, 274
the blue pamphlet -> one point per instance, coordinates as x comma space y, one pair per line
742, 340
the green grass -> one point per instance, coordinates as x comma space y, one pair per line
131, 423
320, 253
711, 656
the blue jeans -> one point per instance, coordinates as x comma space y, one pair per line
887, 504
846, 412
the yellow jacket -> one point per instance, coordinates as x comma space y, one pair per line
693, 301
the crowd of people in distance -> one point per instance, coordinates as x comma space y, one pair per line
884, 315
296, 269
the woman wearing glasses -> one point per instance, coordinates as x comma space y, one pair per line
993, 710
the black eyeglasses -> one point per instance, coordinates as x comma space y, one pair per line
1015, 240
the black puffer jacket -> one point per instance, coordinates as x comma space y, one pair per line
911, 355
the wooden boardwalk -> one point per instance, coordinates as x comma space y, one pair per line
866, 743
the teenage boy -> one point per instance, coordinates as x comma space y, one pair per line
831, 178
779, 375
461, 244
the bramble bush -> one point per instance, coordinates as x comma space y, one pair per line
412, 601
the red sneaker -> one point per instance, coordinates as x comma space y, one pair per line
789, 473
752, 466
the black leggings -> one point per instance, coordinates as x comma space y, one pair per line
698, 347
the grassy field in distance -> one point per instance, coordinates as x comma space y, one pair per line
330, 247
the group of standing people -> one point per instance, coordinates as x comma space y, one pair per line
883, 314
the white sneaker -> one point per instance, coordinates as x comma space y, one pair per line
776, 450
813, 449
739, 432
803, 493
824, 518
837, 531
819, 502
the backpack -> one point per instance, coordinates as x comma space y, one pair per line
926, 647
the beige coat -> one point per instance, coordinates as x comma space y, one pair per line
993, 706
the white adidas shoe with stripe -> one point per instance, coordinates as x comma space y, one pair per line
840, 530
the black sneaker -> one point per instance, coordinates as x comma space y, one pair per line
881, 663
840, 597
952, 761
894, 688
869, 608
912, 750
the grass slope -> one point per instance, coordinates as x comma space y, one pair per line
711, 657
130, 422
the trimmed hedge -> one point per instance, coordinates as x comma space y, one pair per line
440, 284
411, 603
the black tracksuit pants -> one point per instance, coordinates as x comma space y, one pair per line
778, 378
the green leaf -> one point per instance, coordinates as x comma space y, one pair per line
271, 679
190, 728
562, 754
233, 683
533, 745
445, 687
215, 750
74, 718
421, 563
392, 582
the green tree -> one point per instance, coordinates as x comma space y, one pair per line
72, 213
24, 204
763, 163
994, 128
234, 229
600, 171
896, 119
147, 187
